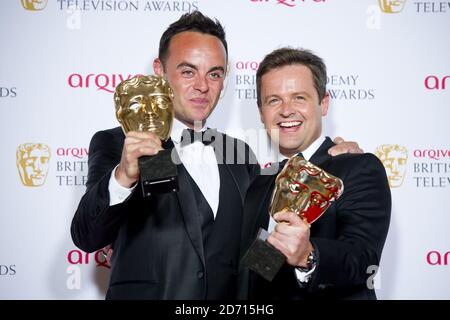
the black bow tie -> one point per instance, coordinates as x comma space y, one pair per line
190, 136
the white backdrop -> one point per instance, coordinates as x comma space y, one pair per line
389, 75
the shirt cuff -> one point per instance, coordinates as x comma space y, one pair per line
117, 193
303, 276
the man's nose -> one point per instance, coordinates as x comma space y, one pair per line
201, 84
286, 109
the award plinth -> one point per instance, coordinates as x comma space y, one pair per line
158, 173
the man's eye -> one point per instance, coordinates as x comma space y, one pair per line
272, 102
187, 73
299, 98
216, 75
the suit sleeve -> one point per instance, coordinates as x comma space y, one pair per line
363, 215
95, 223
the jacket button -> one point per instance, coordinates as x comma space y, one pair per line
200, 274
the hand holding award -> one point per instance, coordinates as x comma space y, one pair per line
303, 188
144, 103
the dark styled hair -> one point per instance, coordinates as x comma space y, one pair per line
193, 21
289, 56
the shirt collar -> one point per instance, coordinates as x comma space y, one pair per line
313, 147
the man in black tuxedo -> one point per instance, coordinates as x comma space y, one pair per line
182, 245
335, 256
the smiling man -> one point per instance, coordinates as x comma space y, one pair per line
285, 88
331, 258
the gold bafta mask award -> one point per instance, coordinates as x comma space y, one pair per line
303, 188
145, 103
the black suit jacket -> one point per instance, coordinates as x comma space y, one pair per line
158, 247
348, 238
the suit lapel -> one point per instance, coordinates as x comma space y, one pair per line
261, 191
220, 157
321, 155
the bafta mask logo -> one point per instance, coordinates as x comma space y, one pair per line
32, 160
394, 159
34, 5
391, 6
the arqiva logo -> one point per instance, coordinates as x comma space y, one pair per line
101, 81
79, 257
433, 82
437, 258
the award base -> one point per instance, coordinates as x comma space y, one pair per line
158, 173
263, 258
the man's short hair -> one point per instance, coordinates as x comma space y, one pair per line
289, 56
193, 21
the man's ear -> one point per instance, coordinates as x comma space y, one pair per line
158, 68
324, 104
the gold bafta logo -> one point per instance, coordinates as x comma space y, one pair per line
393, 157
391, 6
34, 5
32, 160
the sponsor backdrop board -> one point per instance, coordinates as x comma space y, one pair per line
389, 79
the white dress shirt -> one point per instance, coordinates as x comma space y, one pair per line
198, 159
